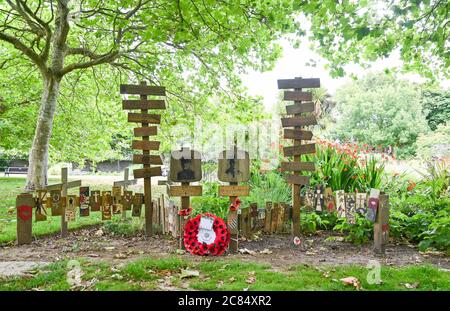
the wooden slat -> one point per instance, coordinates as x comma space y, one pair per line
147, 172
143, 104
142, 89
300, 108
298, 166
234, 191
299, 150
70, 184
144, 118
297, 180
185, 191
147, 159
145, 145
299, 121
297, 95
297, 134
298, 83
145, 131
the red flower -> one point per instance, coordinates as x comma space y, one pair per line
235, 205
185, 212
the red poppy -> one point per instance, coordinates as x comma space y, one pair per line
235, 205
185, 212
25, 212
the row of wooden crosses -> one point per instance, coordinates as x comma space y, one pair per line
106, 202
347, 205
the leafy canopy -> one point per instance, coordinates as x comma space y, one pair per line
380, 110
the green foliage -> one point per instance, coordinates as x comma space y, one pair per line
210, 202
420, 212
267, 187
345, 167
358, 233
363, 31
127, 228
380, 110
310, 222
436, 143
436, 106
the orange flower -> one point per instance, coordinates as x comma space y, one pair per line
345, 169
354, 176
411, 186
363, 176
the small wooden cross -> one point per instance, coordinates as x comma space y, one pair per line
63, 186
125, 183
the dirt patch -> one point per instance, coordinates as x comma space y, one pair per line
278, 251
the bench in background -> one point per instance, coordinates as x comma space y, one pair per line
16, 170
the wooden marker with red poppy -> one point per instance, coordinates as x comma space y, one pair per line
145, 131
24, 206
234, 167
185, 167
302, 104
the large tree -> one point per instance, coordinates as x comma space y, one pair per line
198, 47
158, 40
380, 110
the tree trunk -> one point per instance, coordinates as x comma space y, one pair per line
38, 158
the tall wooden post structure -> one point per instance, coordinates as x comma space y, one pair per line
145, 131
302, 104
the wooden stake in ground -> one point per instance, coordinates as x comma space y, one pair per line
234, 167
125, 183
381, 225
302, 104
64, 186
145, 131
185, 167
24, 209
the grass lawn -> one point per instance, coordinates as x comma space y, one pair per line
151, 274
10, 187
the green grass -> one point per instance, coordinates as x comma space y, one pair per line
148, 274
10, 187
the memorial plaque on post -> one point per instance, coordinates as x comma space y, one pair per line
127, 199
95, 201
116, 197
185, 165
84, 201
71, 210
106, 205
138, 200
56, 203
41, 213
329, 199
234, 166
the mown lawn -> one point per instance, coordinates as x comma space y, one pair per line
165, 274
10, 187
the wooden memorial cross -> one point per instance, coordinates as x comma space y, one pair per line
24, 209
145, 131
234, 168
64, 186
302, 104
185, 167
125, 183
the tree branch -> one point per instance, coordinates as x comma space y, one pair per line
103, 59
25, 50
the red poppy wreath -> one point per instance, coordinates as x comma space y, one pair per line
206, 234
